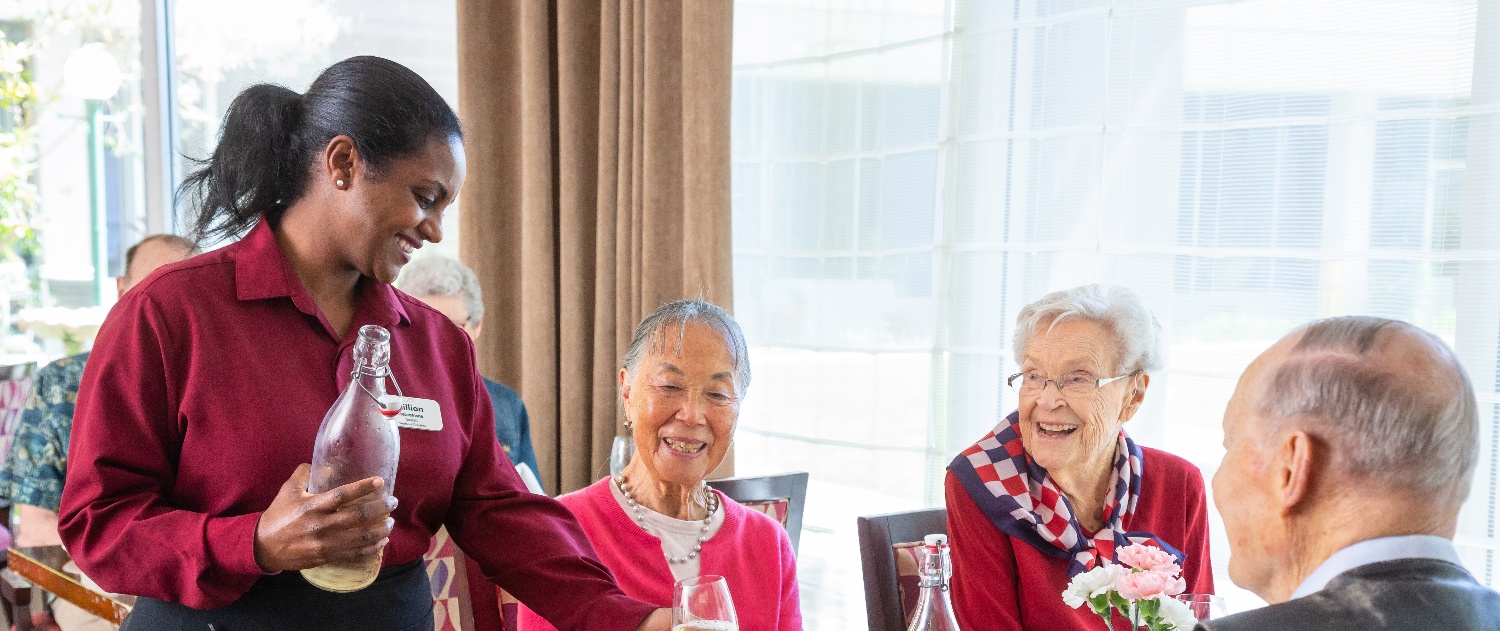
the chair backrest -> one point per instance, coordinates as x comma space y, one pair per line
448, 574
888, 548
780, 496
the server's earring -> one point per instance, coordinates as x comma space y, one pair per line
338, 183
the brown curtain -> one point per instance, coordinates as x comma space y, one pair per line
597, 135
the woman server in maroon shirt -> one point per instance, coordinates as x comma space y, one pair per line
209, 380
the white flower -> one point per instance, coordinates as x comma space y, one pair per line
1177, 614
1095, 582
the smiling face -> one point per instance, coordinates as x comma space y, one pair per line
1071, 435
391, 212
1244, 484
683, 404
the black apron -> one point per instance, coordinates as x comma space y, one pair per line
400, 599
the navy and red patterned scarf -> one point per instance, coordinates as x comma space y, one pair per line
1022, 500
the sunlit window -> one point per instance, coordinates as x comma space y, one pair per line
908, 175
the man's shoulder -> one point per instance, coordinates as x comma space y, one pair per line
1294, 615
1406, 594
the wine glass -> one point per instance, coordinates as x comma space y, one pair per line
1204, 606
703, 603
620, 453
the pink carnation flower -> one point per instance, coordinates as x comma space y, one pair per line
1143, 585
1150, 558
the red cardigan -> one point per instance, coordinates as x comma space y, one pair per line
750, 549
1003, 584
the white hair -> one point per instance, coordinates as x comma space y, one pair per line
651, 335
1137, 333
442, 276
1411, 426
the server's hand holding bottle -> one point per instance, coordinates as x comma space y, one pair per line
301, 530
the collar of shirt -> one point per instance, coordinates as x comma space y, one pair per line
1374, 551
261, 270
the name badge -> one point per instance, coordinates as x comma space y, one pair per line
420, 414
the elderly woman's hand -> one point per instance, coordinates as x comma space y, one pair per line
301, 530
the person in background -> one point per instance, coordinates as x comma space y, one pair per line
32, 479
1058, 487
1350, 447
452, 288
681, 382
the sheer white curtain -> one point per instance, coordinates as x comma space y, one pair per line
909, 174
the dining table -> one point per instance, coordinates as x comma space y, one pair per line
50, 569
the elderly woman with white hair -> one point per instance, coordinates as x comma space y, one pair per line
1058, 487
681, 381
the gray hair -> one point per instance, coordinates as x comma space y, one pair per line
652, 335
442, 276
1122, 311
1411, 425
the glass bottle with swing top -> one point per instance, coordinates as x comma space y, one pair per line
934, 610
358, 440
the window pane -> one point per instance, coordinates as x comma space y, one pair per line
73, 165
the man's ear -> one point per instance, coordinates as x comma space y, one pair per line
1295, 458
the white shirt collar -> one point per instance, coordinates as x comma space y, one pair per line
1374, 551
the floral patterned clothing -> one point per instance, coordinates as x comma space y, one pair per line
33, 472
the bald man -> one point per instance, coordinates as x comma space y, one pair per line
1351, 445
33, 475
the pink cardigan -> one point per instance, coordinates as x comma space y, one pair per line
750, 549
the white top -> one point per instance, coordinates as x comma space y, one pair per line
677, 536
1374, 551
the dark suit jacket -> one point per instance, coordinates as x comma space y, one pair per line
1405, 594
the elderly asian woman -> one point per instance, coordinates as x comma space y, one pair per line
1058, 486
681, 382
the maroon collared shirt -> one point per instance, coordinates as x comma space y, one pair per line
205, 391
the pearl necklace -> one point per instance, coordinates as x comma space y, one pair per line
640, 520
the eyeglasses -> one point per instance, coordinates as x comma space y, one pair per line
1075, 384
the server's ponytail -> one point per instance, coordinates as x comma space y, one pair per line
271, 135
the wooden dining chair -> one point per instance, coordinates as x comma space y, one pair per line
782, 497
890, 546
